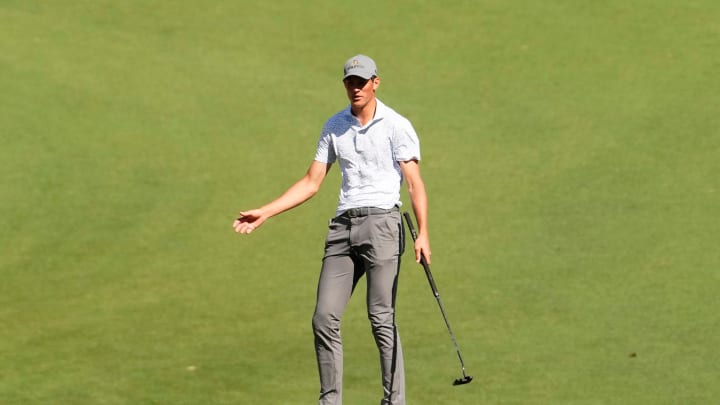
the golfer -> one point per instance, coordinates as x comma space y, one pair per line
377, 149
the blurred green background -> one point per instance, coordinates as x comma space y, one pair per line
570, 149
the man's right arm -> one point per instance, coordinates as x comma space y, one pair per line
297, 194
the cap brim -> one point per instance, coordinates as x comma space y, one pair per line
366, 76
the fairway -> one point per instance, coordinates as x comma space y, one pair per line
571, 151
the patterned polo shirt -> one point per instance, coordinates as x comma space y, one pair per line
368, 156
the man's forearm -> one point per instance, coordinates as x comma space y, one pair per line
419, 201
297, 194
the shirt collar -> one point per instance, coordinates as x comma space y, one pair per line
380, 112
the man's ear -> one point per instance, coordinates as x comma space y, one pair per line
376, 83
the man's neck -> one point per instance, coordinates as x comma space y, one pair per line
365, 114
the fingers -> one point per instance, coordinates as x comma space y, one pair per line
243, 227
422, 252
246, 223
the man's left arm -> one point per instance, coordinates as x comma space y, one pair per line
418, 197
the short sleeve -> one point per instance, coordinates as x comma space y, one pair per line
406, 145
325, 152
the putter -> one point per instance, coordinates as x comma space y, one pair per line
465, 378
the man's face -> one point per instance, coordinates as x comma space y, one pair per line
360, 91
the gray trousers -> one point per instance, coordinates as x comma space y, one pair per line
360, 243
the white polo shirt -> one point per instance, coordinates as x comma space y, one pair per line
368, 156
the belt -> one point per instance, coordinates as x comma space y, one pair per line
365, 211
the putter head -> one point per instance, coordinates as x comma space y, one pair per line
464, 380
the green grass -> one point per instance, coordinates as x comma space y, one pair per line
570, 152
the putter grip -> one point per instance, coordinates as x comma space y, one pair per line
413, 233
423, 261
409, 222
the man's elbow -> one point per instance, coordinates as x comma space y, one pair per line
313, 189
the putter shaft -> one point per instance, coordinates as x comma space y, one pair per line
465, 378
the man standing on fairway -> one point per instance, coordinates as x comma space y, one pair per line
376, 149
